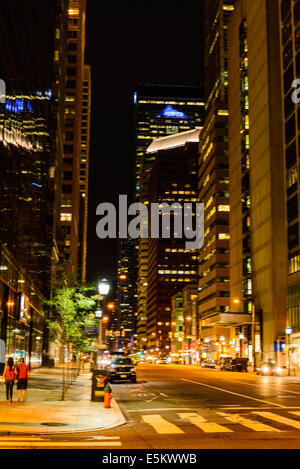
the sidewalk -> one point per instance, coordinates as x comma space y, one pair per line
44, 412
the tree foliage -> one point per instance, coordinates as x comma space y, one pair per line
71, 309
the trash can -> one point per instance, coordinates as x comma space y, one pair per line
99, 381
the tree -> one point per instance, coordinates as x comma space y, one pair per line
70, 310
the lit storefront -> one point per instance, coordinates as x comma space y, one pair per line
21, 325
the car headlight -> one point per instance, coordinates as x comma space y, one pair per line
278, 369
132, 370
266, 369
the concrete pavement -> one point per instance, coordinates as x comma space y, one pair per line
45, 412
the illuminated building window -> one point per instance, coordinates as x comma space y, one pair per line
66, 203
73, 11
66, 217
223, 208
247, 287
210, 201
247, 266
292, 177
294, 264
223, 236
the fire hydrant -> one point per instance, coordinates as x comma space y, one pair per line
107, 396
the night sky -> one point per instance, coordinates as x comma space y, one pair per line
124, 46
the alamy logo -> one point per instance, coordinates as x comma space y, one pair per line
2, 91
296, 93
152, 221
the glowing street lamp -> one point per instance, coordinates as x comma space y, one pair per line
103, 287
98, 313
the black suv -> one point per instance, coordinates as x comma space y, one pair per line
121, 369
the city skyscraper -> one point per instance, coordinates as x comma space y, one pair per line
170, 265
214, 292
25, 151
159, 111
126, 292
258, 253
289, 12
76, 110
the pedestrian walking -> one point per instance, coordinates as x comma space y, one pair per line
22, 377
9, 376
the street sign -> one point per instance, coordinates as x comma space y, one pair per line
91, 330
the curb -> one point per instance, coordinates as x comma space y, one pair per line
120, 421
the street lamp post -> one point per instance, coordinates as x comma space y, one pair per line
103, 288
288, 332
253, 336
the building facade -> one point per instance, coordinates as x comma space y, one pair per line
258, 235
76, 110
126, 293
214, 290
289, 13
170, 265
25, 211
159, 111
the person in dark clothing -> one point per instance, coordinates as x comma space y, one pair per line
9, 376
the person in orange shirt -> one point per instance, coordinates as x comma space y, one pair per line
22, 377
9, 375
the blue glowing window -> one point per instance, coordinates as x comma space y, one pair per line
171, 112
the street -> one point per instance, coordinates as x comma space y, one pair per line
182, 407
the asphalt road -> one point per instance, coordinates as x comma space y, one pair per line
184, 407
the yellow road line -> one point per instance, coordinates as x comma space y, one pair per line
201, 422
253, 425
161, 425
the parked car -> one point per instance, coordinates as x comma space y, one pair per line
269, 369
208, 364
234, 364
121, 369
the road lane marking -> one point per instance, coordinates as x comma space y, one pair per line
153, 398
161, 425
201, 422
253, 408
23, 438
235, 393
73, 444
160, 409
254, 425
276, 388
279, 419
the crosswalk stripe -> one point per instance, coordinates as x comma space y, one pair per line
295, 412
73, 444
279, 419
20, 438
201, 422
161, 425
256, 426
